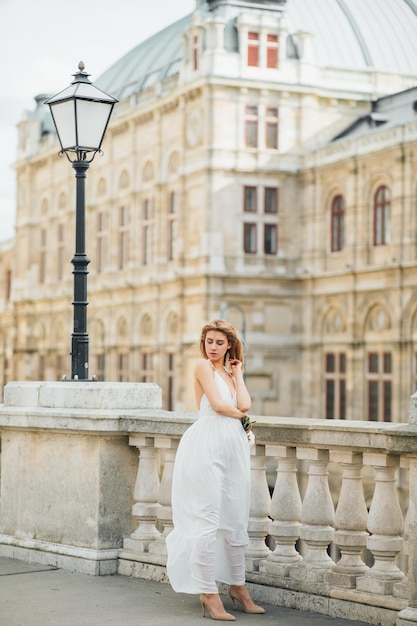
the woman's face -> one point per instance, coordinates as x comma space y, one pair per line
216, 345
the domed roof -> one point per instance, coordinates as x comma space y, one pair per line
365, 35
154, 59
360, 34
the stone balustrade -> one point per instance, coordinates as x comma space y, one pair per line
86, 482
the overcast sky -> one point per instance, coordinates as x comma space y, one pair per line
41, 44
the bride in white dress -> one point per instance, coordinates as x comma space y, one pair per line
211, 490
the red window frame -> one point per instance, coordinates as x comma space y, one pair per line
271, 200
250, 199
249, 238
270, 239
253, 49
272, 47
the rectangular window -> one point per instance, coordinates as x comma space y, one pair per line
272, 128
147, 232
42, 367
195, 53
249, 200
42, 257
100, 366
123, 367
382, 210
272, 51
270, 238
60, 261
123, 250
271, 200
102, 237
335, 385
253, 49
8, 284
251, 127
249, 238
146, 374
272, 135
337, 224
170, 382
171, 227
379, 377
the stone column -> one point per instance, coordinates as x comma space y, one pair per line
385, 523
258, 526
285, 512
408, 617
145, 495
350, 522
169, 447
317, 517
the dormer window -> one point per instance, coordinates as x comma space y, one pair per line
272, 51
253, 49
195, 53
262, 50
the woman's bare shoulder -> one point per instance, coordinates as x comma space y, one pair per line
202, 365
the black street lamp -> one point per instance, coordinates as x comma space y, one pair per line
81, 113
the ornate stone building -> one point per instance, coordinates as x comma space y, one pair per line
255, 168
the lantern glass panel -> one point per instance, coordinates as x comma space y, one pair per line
92, 118
64, 118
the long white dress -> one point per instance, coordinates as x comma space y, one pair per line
210, 501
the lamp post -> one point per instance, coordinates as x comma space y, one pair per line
81, 113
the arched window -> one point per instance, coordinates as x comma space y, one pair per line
337, 224
382, 210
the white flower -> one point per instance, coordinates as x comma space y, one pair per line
251, 438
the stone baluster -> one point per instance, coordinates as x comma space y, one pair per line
401, 588
385, 523
317, 517
350, 522
169, 447
285, 513
408, 617
260, 504
145, 495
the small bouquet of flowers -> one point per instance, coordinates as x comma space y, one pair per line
247, 427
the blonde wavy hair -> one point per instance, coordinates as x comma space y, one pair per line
236, 348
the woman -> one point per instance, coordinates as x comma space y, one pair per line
210, 491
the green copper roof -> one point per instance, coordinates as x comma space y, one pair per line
151, 61
364, 35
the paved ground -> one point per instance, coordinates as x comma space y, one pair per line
37, 595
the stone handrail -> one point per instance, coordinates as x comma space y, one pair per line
309, 545
87, 477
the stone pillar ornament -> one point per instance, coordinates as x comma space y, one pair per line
285, 513
350, 522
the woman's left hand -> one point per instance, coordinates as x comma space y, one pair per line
236, 366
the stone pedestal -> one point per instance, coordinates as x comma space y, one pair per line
68, 471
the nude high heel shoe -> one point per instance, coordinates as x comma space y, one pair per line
215, 607
241, 594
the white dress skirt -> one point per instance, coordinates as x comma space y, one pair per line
210, 502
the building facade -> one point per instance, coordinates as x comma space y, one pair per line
248, 173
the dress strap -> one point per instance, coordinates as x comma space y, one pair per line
229, 374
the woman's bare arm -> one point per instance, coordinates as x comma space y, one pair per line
243, 398
204, 383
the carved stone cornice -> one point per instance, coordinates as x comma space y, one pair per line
119, 129
193, 94
144, 119
169, 107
